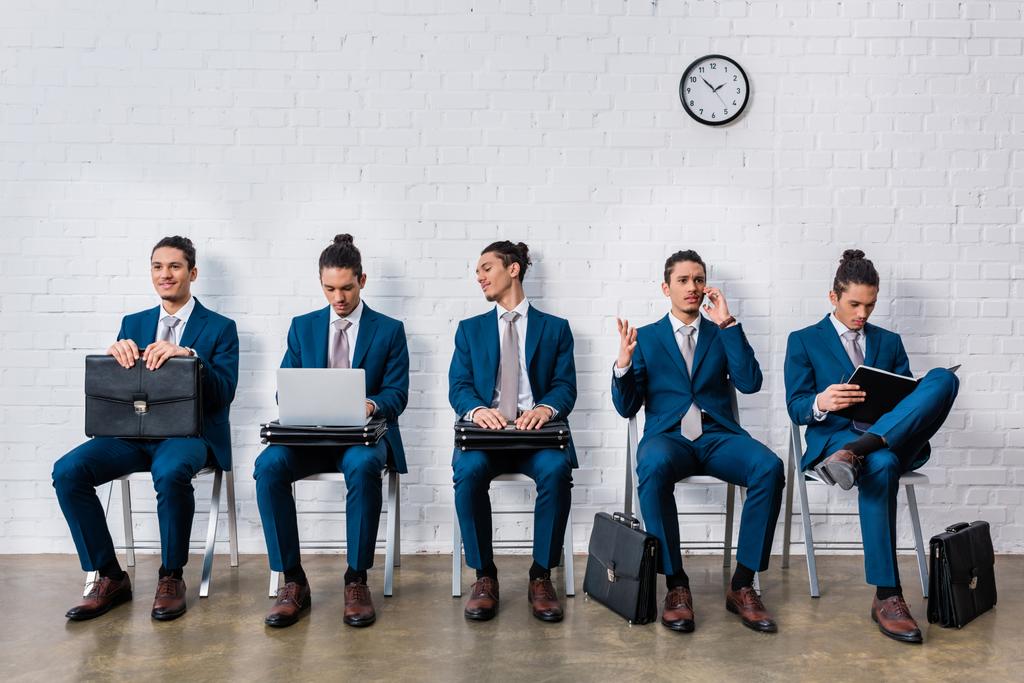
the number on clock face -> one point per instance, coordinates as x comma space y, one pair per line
714, 90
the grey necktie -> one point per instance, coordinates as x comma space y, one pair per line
339, 354
170, 322
508, 401
853, 348
690, 424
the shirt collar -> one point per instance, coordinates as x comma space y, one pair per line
352, 317
838, 324
677, 324
521, 309
183, 313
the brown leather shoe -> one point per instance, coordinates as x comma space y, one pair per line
358, 605
544, 600
483, 599
104, 594
678, 612
292, 601
842, 468
894, 620
747, 604
169, 602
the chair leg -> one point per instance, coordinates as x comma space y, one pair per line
275, 581
389, 538
915, 520
570, 578
730, 504
787, 517
456, 556
232, 517
805, 518
129, 530
398, 522
90, 577
211, 534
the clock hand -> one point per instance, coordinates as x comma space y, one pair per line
708, 84
718, 88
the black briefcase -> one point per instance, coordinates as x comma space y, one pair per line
554, 434
622, 568
961, 580
138, 403
307, 435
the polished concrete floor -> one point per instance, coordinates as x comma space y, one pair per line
420, 633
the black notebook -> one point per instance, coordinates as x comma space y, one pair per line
884, 390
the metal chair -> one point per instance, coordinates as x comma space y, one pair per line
131, 545
908, 481
570, 583
392, 530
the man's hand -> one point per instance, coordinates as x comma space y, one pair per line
125, 352
157, 353
839, 396
627, 343
369, 409
715, 305
534, 419
489, 418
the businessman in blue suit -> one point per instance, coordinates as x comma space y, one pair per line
679, 369
513, 365
345, 334
819, 359
179, 326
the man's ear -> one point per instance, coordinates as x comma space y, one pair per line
664, 289
362, 280
833, 298
194, 274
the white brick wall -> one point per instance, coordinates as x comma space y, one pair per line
429, 128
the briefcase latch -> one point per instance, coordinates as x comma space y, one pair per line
611, 575
141, 407
974, 583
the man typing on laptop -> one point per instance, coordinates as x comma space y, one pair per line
345, 334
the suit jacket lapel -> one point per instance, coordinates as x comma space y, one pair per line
667, 337
708, 332
147, 335
195, 325
871, 340
835, 346
367, 328
534, 330
487, 333
321, 325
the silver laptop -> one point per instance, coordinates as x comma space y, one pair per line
322, 397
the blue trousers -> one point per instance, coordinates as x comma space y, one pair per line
664, 459
551, 471
173, 463
278, 466
906, 429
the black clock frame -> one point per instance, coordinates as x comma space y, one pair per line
682, 98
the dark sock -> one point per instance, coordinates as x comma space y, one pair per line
680, 580
352, 576
539, 572
490, 571
112, 570
743, 577
864, 444
176, 573
296, 575
886, 592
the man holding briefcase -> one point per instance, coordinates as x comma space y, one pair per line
512, 366
344, 334
179, 327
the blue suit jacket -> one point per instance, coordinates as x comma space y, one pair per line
214, 338
815, 358
659, 380
382, 353
549, 363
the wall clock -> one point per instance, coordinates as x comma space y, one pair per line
714, 90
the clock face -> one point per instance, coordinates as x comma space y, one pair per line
714, 90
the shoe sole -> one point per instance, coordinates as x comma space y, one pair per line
360, 623
841, 476
283, 623
903, 638
168, 616
480, 616
749, 624
684, 627
93, 615
549, 618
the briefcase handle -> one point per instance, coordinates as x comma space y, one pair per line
959, 526
630, 521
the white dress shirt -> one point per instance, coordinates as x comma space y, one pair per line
841, 329
183, 315
352, 333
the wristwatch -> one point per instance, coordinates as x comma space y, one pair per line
725, 323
